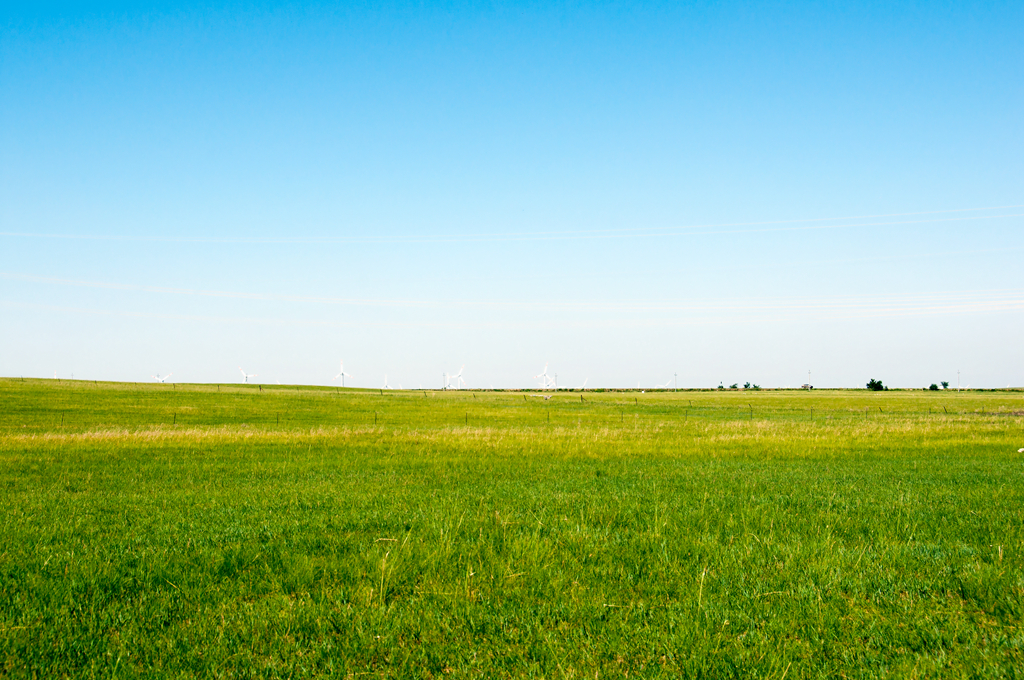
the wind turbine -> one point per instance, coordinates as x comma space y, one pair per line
663, 387
341, 374
457, 378
386, 385
246, 376
546, 381
163, 379
581, 387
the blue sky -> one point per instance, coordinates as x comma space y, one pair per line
627, 191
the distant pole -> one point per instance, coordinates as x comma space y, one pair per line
958, 380
808, 378
675, 377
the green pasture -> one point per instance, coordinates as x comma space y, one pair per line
237, 531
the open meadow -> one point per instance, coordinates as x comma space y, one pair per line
159, 530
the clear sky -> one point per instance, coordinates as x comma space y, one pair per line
726, 192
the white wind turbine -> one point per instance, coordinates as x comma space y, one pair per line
455, 381
341, 374
246, 376
546, 381
663, 387
163, 379
386, 385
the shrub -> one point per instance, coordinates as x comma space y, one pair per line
875, 385
933, 386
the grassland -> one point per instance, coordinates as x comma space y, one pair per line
159, 530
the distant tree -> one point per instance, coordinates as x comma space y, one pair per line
746, 385
875, 385
934, 387
945, 384
734, 386
756, 387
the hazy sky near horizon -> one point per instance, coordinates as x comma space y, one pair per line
626, 191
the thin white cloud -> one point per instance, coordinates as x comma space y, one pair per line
727, 228
626, 314
750, 305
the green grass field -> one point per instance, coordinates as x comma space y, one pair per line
187, 530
